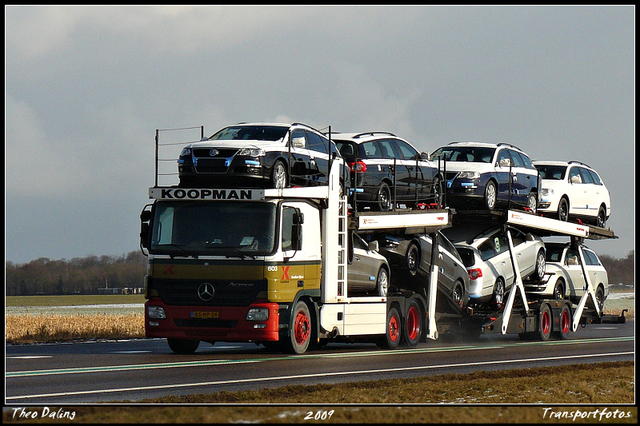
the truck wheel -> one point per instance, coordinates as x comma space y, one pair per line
565, 323
393, 335
300, 332
183, 346
545, 324
412, 325
412, 258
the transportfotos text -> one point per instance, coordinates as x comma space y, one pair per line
598, 414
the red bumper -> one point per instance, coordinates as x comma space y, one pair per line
212, 323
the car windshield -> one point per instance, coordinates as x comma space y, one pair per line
231, 228
258, 133
464, 154
554, 252
551, 172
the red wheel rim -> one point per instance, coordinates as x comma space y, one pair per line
564, 321
546, 322
394, 328
302, 328
413, 324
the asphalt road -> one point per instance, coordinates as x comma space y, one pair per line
129, 371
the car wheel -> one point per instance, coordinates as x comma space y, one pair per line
383, 198
532, 201
600, 298
563, 209
490, 195
457, 294
183, 346
412, 257
279, 178
541, 265
545, 324
558, 290
382, 283
498, 292
601, 219
437, 191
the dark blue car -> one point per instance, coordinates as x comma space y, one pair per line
488, 176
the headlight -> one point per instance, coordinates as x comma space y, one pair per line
185, 151
156, 312
469, 175
546, 191
257, 314
252, 152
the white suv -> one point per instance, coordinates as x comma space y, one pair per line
573, 190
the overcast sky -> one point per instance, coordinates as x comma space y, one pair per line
86, 88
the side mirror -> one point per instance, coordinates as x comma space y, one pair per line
373, 245
145, 218
296, 231
505, 162
576, 179
424, 155
299, 142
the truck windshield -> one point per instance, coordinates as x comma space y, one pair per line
220, 228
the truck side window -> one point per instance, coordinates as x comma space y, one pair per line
291, 220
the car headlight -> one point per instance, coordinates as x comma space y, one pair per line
257, 314
546, 191
469, 175
252, 152
185, 152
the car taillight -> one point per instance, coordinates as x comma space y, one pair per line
358, 167
474, 274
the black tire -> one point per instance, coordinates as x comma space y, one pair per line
559, 290
382, 282
183, 346
279, 175
393, 335
600, 298
541, 265
384, 201
564, 324
498, 292
300, 329
545, 323
413, 325
490, 195
563, 209
601, 219
413, 257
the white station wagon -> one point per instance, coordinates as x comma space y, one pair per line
573, 190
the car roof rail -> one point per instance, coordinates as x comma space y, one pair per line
509, 145
359, 135
580, 162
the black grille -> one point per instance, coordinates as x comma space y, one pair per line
227, 293
222, 152
211, 165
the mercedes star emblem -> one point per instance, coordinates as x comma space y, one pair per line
206, 291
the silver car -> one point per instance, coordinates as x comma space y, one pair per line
368, 270
565, 278
489, 265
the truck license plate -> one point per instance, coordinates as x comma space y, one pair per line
205, 314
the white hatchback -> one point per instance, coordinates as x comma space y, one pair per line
573, 190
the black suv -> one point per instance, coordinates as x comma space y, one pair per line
387, 170
269, 155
